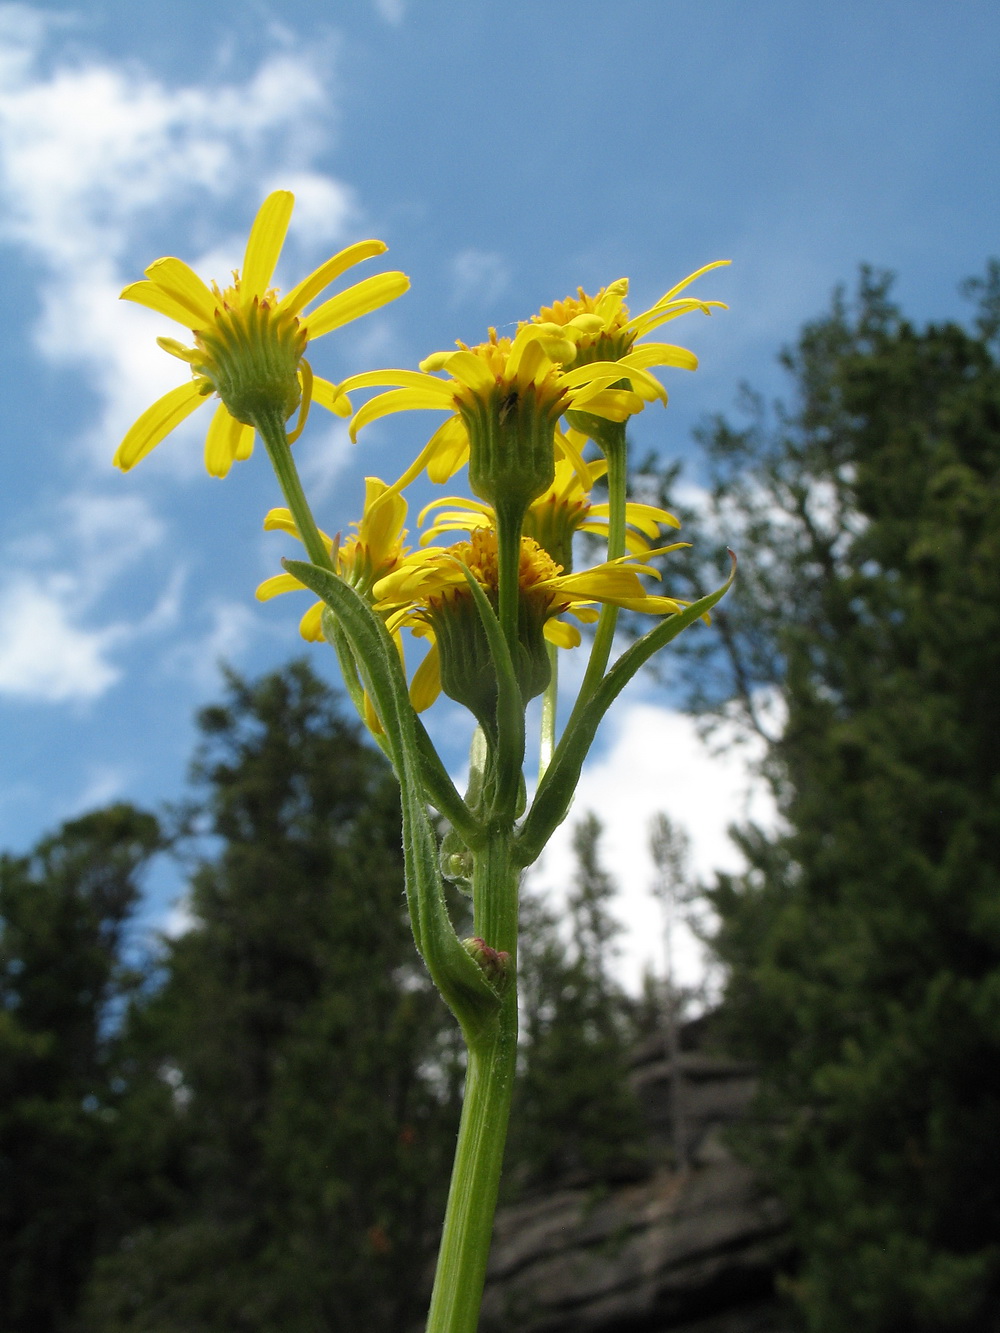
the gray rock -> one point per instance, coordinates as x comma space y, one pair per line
694, 1250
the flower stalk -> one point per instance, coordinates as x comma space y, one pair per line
493, 610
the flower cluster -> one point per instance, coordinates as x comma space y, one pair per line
493, 589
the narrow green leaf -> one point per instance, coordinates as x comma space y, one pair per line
461, 982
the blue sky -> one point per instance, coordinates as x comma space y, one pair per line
506, 154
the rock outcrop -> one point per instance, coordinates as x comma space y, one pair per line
693, 1249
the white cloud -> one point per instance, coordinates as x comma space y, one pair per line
478, 275
92, 155
48, 651
654, 760
44, 656
392, 11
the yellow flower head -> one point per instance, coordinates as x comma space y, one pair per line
504, 397
602, 330
553, 519
428, 593
249, 344
369, 554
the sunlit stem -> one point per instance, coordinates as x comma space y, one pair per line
468, 1226
271, 429
550, 698
509, 522
612, 442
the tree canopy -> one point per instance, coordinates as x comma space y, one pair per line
863, 942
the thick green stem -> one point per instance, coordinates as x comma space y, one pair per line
475, 1181
509, 522
271, 429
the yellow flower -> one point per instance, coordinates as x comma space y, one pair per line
249, 344
504, 398
602, 330
368, 555
427, 593
556, 516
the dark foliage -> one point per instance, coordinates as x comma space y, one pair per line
863, 944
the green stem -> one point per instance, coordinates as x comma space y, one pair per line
271, 429
509, 523
550, 698
482, 1135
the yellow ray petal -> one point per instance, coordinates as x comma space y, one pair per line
661, 354
331, 396
662, 314
562, 634
399, 379
276, 585
157, 422
309, 288
447, 450
280, 520
358, 300
460, 500
223, 441
267, 236
470, 370
613, 404
155, 298
426, 683
176, 279
311, 624
396, 400
686, 282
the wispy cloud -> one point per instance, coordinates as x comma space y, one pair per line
479, 276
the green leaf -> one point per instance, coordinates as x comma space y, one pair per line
463, 985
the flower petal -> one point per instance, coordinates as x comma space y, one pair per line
562, 634
400, 379
176, 279
276, 585
358, 300
331, 396
225, 442
447, 450
311, 624
155, 298
157, 422
309, 288
426, 683
661, 354
470, 370
396, 400
280, 520
267, 236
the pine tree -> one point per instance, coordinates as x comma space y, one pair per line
295, 1069
863, 943
64, 913
575, 1117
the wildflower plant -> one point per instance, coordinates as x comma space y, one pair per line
493, 608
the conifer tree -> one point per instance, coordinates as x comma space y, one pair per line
295, 1069
863, 943
64, 914
575, 1117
